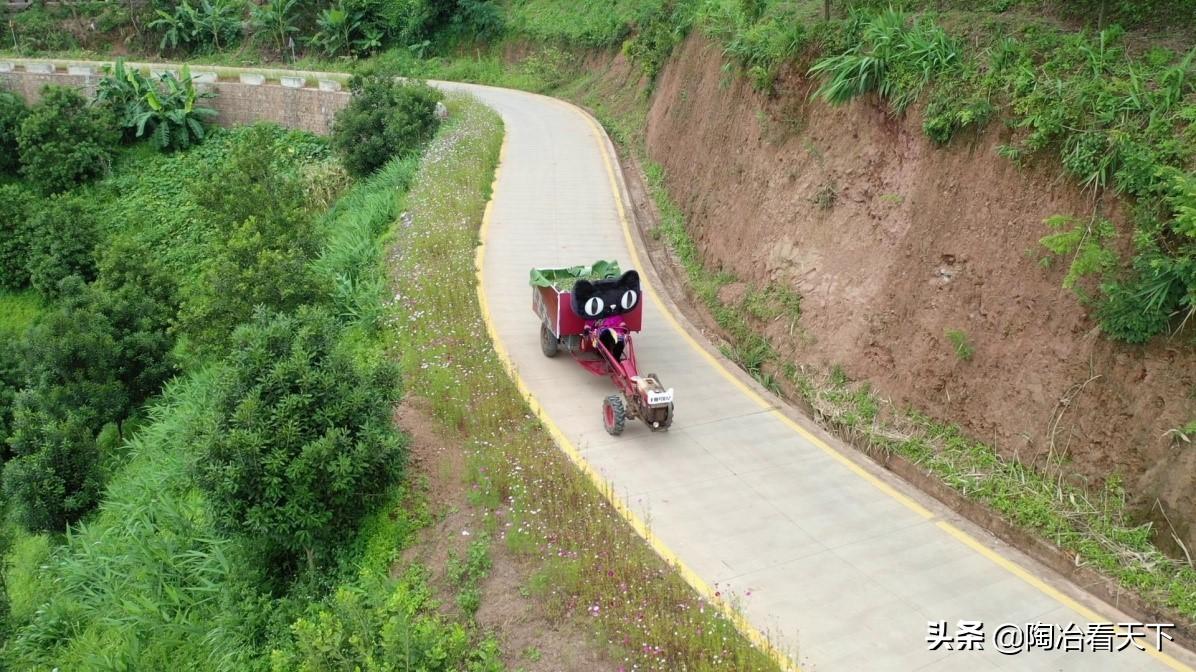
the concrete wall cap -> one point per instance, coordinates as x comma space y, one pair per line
292, 82
330, 85
252, 78
39, 68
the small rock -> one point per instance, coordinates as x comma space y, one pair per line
441, 111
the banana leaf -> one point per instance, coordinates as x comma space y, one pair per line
564, 278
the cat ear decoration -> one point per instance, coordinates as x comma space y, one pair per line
606, 298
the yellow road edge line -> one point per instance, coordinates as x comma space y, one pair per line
960, 535
756, 637
1047, 589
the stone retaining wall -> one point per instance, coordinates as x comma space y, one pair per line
295, 101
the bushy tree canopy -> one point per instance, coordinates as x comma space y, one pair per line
303, 439
64, 141
384, 119
62, 236
12, 113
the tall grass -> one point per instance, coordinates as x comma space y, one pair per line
592, 565
892, 56
148, 581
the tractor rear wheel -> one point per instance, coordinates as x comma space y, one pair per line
614, 414
549, 344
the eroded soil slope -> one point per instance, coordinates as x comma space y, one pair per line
892, 241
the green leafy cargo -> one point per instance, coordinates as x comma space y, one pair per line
565, 278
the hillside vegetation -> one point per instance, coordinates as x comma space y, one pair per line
196, 391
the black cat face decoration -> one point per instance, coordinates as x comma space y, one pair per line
606, 298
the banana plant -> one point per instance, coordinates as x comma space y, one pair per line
173, 116
338, 27
275, 18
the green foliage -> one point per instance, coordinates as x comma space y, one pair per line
960, 344
658, 31
166, 111
147, 581
466, 573
758, 36
12, 113
15, 204
384, 119
37, 29
61, 236
64, 141
892, 57
258, 203
53, 477
387, 628
275, 20
203, 28
1086, 246
351, 260
302, 441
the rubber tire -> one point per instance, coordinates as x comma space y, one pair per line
614, 415
549, 344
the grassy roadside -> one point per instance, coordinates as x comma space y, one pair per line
592, 566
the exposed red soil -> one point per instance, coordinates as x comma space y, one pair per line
918, 240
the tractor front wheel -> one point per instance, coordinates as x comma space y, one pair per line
614, 414
549, 344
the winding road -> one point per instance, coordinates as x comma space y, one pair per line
835, 561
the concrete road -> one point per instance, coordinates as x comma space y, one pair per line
841, 564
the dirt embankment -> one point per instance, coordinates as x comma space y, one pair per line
892, 241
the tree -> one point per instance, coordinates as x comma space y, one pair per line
15, 204
63, 141
138, 298
258, 202
302, 441
62, 237
54, 477
384, 119
72, 357
276, 19
12, 113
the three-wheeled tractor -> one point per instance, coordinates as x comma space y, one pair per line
593, 319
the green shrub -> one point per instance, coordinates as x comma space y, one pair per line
257, 201
138, 299
36, 29
15, 204
54, 476
384, 628
384, 119
302, 442
62, 237
12, 113
275, 22
11, 380
72, 360
64, 141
